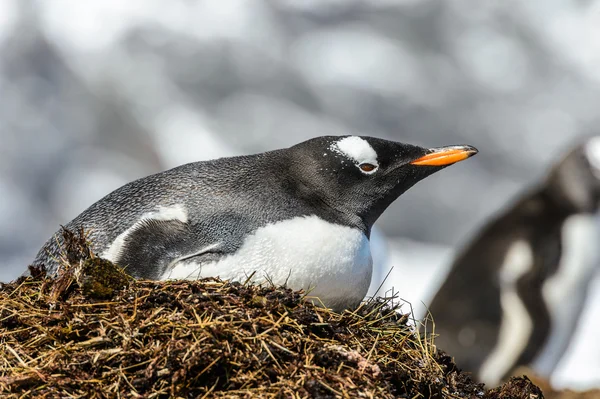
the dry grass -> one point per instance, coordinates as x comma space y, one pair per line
95, 333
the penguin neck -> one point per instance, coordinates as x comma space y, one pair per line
321, 204
555, 204
332, 211
378, 206
339, 215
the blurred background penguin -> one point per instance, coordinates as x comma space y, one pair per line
515, 294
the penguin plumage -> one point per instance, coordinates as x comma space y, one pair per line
513, 296
300, 215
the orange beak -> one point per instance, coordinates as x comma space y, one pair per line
445, 156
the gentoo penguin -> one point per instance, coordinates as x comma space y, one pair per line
513, 296
299, 216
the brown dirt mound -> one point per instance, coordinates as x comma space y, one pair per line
95, 333
551, 393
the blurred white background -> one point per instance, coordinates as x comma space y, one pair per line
94, 94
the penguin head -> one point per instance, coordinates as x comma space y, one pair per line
361, 176
575, 181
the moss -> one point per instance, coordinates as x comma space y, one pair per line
100, 279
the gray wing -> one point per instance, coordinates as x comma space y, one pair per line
153, 245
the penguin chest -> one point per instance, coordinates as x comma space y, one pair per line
330, 261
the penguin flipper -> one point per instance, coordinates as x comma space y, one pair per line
154, 245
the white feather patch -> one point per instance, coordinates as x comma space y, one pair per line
175, 212
356, 149
516, 325
332, 260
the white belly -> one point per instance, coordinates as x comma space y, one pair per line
331, 261
565, 292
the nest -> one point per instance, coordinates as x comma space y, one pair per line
94, 332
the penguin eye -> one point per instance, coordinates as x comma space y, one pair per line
367, 167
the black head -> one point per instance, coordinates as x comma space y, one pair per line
361, 176
574, 182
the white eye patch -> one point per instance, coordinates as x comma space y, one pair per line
359, 151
